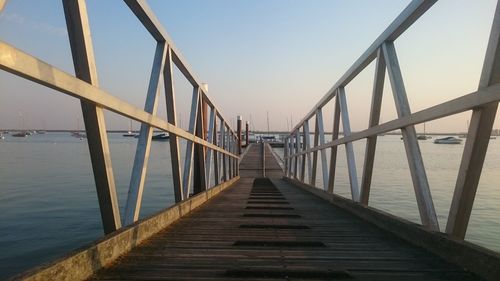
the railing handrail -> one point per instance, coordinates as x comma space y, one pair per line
207, 148
147, 17
405, 19
461, 104
483, 103
64, 82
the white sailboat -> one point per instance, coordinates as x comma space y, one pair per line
130, 133
77, 133
424, 136
22, 133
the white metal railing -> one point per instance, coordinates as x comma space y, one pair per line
211, 143
483, 103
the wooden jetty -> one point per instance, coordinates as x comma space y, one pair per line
246, 217
269, 229
262, 229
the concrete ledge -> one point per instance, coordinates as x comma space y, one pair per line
82, 263
479, 260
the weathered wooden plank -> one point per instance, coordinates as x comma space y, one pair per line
82, 263
203, 246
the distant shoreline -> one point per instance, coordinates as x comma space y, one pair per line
253, 132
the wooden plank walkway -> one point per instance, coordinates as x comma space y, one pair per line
271, 230
251, 165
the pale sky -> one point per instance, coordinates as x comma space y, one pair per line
278, 56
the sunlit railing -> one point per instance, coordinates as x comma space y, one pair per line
211, 143
483, 103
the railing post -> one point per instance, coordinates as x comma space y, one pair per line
235, 161
371, 142
296, 157
287, 158
216, 154
477, 141
263, 156
292, 152
199, 179
315, 153
235, 151
333, 154
186, 182
307, 144
2, 4
223, 145
237, 164
229, 159
209, 152
349, 149
229, 148
138, 177
321, 135
303, 156
238, 126
247, 132
417, 170
285, 154
85, 69
175, 159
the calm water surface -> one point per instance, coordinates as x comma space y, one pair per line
48, 204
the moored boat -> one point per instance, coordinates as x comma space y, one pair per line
273, 141
161, 137
21, 134
78, 134
448, 140
130, 134
423, 137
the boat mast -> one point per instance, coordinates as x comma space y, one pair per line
267, 122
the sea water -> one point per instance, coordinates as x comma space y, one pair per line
48, 202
